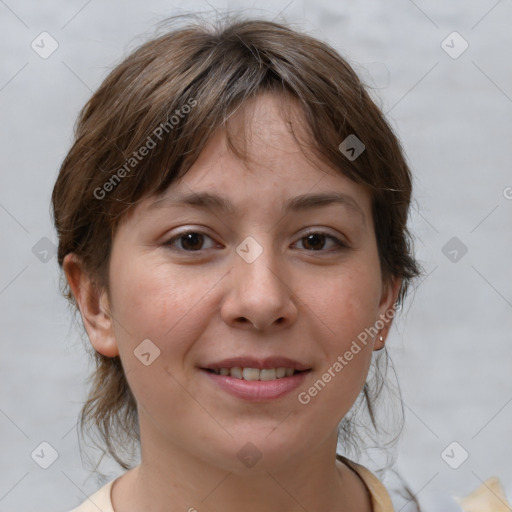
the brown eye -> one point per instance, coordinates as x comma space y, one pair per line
317, 241
190, 241
314, 241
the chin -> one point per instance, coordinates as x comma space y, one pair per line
254, 454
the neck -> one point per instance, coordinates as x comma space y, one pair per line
173, 478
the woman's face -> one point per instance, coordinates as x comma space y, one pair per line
255, 270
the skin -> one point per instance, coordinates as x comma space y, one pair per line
203, 306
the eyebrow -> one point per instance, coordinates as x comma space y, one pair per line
209, 201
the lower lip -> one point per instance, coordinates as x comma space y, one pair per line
258, 390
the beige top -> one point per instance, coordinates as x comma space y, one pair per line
381, 502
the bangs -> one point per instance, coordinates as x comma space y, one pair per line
169, 107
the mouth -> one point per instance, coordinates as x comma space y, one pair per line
257, 380
254, 374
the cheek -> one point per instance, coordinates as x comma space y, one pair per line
154, 303
153, 300
347, 304
347, 301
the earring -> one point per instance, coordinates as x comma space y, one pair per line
381, 339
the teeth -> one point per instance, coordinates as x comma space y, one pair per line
251, 374
236, 372
280, 372
255, 374
269, 374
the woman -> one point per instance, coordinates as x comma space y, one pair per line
232, 227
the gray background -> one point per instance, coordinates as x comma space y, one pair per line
452, 350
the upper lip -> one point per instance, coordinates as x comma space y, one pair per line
260, 364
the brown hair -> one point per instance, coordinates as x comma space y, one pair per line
214, 70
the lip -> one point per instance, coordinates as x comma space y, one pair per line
260, 364
257, 390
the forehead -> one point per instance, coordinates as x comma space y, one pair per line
277, 168
277, 156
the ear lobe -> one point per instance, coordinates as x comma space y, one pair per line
387, 310
94, 307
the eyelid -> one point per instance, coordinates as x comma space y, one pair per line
176, 236
339, 242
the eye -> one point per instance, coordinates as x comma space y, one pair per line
315, 241
190, 241
193, 241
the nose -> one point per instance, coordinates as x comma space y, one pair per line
259, 294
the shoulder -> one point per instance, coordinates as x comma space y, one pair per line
100, 500
381, 501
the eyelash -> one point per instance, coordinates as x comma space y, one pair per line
341, 245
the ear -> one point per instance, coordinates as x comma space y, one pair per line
387, 310
94, 307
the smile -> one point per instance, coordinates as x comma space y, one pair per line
253, 374
247, 383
